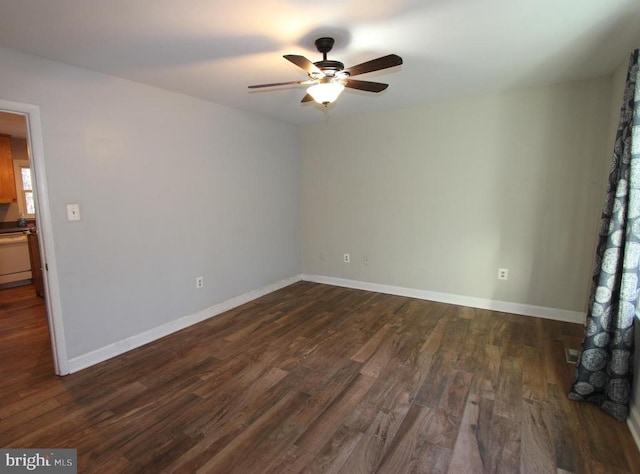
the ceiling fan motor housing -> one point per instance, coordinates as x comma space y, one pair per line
328, 67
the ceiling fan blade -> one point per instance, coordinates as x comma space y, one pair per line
307, 98
303, 63
273, 84
384, 62
366, 85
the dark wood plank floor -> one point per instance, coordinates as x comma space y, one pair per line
315, 378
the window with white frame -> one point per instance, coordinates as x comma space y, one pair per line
24, 188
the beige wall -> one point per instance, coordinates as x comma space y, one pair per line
439, 197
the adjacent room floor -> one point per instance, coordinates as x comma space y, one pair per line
315, 378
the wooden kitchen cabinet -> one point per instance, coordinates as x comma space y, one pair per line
36, 263
7, 181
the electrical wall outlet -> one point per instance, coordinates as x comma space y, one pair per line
503, 273
199, 282
346, 258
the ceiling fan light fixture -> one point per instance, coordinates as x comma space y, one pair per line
325, 92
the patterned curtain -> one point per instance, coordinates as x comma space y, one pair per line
605, 369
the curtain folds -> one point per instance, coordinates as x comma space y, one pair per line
605, 369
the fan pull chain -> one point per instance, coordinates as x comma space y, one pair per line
326, 110
327, 125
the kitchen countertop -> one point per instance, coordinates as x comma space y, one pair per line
6, 227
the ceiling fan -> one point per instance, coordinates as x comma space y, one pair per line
328, 78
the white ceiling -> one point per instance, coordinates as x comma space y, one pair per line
214, 49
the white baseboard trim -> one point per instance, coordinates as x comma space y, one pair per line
120, 347
633, 422
482, 303
129, 343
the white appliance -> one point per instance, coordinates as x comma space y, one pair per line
15, 266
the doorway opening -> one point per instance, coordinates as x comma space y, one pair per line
31, 133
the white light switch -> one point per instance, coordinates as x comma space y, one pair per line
73, 212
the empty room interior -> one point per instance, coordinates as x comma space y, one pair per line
223, 271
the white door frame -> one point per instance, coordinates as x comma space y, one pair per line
43, 222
